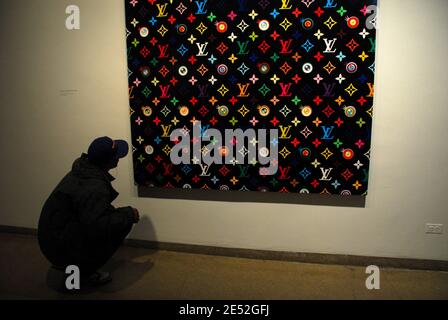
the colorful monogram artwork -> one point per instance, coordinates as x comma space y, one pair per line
268, 95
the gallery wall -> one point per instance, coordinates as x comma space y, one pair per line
60, 89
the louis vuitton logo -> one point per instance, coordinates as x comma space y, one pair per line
164, 90
330, 4
329, 89
372, 45
286, 45
168, 167
325, 174
243, 5
244, 170
329, 44
204, 168
201, 7
204, 131
166, 130
243, 90
285, 89
162, 10
284, 132
243, 47
285, 5
163, 51
327, 131
203, 90
284, 172
202, 47
371, 88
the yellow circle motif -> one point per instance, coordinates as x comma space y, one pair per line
223, 111
184, 111
264, 110
147, 111
306, 111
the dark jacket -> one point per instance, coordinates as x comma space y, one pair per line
78, 221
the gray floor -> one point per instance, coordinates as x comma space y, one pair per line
146, 274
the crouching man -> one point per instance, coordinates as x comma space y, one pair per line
78, 224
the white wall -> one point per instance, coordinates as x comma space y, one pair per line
42, 132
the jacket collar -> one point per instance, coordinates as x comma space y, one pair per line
82, 167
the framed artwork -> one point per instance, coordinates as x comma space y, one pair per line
269, 95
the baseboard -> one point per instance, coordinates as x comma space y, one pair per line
319, 258
19, 230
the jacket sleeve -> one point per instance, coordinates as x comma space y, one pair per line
102, 220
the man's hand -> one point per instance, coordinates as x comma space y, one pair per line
136, 215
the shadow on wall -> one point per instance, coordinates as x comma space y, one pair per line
129, 265
251, 196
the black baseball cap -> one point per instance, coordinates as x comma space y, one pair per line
104, 149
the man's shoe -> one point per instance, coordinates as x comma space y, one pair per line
59, 268
99, 278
